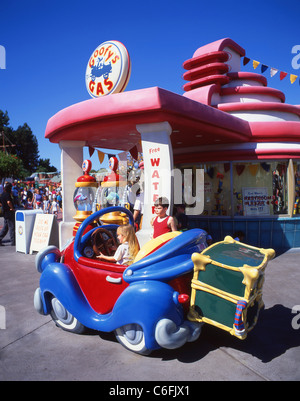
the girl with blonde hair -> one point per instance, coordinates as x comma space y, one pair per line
127, 249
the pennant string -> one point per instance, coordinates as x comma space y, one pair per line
134, 152
273, 71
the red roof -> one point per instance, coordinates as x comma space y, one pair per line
110, 121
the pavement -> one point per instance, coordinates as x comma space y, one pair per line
32, 348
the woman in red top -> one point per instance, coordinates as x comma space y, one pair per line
162, 223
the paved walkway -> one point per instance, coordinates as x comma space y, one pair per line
33, 348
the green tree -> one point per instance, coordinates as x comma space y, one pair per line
4, 120
26, 147
10, 166
5, 132
20, 142
45, 166
23, 144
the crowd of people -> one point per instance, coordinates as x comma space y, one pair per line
47, 198
14, 196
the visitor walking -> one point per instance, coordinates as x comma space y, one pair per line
6, 200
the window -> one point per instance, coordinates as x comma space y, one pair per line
217, 196
260, 188
248, 188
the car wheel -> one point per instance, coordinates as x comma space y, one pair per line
132, 337
63, 318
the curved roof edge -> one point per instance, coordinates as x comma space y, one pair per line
113, 119
219, 45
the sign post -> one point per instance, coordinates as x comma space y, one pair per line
45, 232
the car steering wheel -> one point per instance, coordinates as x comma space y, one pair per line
104, 242
81, 238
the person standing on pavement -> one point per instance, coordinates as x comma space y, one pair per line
138, 209
15, 195
8, 214
38, 200
162, 223
54, 208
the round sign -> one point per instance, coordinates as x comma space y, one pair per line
86, 166
108, 69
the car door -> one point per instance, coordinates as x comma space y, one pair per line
101, 282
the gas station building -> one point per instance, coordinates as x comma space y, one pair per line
228, 124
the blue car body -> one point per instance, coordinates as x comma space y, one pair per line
147, 301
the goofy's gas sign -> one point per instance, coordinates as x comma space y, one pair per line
108, 69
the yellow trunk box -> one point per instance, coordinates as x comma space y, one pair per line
227, 285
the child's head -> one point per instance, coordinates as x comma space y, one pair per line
161, 205
126, 233
162, 201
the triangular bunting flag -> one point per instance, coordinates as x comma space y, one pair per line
239, 168
282, 75
134, 153
273, 71
246, 60
293, 78
264, 68
265, 166
211, 172
91, 151
226, 167
253, 168
100, 156
255, 64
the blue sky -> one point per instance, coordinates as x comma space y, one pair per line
48, 44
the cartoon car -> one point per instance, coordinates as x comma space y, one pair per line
144, 304
101, 69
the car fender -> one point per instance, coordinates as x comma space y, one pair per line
58, 280
146, 303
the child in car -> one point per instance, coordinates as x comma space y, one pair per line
128, 248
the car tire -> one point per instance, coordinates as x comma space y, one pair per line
132, 337
64, 319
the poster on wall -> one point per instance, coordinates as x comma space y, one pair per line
256, 201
